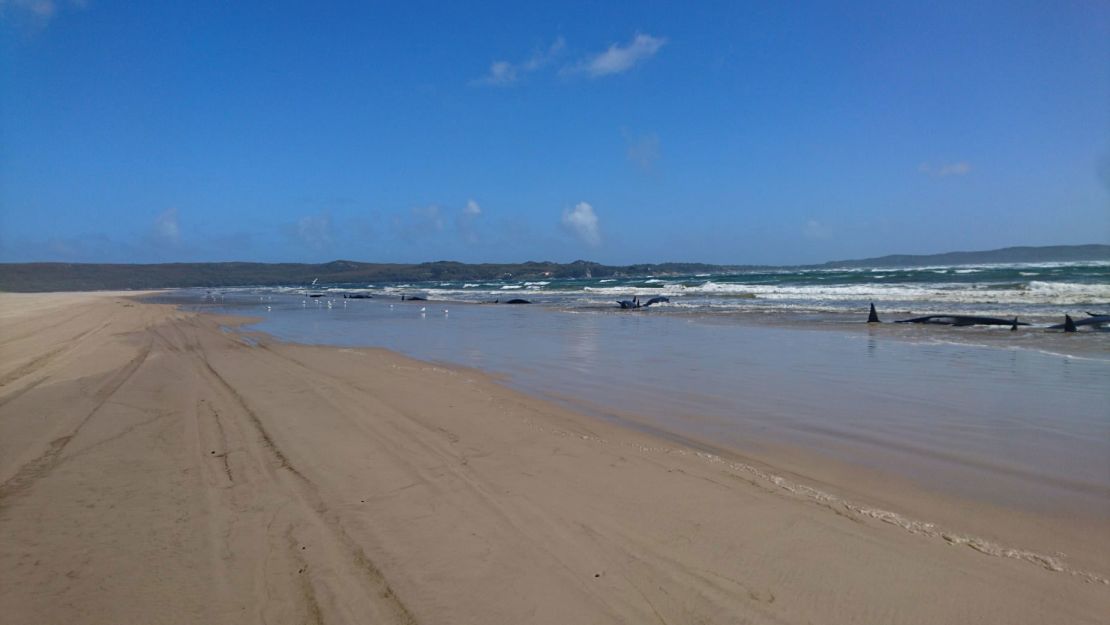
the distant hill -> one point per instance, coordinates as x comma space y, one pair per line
38, 277
1044, 254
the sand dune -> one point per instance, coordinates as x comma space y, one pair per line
158, 467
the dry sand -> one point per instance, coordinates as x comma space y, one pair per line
158, 468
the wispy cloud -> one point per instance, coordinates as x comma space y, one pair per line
502, 73
582, 222
166, 229
36, 13
465, 221
958, 168
816, 230
41, 9
618, 58
419, 223
313, 231
643, 151
428, 217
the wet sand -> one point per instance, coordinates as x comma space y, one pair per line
1012, 427
157, 468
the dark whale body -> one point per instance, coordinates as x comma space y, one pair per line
634, 303
1071, 325
952, 320
964, 320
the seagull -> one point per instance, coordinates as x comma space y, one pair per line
423, 308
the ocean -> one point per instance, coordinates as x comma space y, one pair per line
1038, 290
751, 361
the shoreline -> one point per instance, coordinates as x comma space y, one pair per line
477, 487
842, 393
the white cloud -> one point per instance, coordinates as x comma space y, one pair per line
464, 222
41, 9
314, 231
618, 59
506, 73
500, 73
958, 168
36, 14
582, 221
167, 229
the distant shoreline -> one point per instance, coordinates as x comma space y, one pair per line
53, 276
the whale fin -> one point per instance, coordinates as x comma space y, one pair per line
873, 317
1069, 324
1013, 328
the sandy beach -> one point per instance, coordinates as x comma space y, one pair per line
160, 466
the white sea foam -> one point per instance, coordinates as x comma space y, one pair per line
913, 526
1036, 292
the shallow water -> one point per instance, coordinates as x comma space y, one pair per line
1002, 423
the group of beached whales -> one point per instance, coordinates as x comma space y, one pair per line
1094, 320
626, 304
417, 298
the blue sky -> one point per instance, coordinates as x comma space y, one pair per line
723, 132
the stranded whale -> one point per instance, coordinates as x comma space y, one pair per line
952, 320
1071, 325
964, 320
634, 303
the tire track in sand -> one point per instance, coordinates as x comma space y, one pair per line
40, 362
41, 466
303, 490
